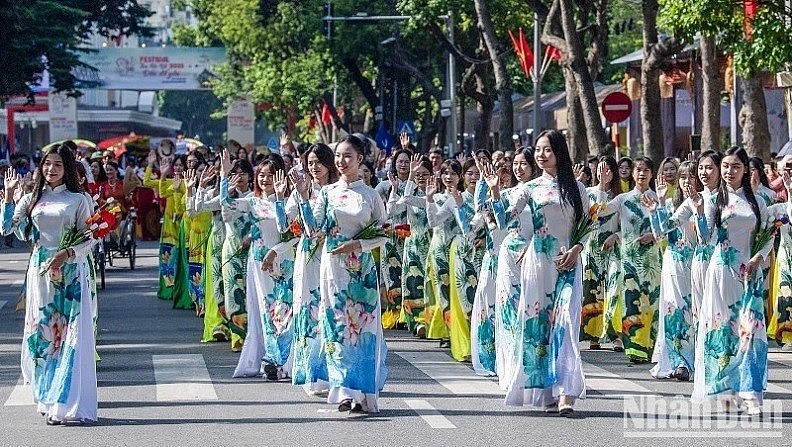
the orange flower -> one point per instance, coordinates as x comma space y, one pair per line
402, 231
295, 228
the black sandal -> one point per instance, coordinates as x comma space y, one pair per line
346, 405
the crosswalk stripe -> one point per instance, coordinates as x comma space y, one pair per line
429, 414
182, 377
607, 383
21, 395
455, 377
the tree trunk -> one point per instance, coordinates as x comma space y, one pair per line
502, 80
753, 119
711, 90
576, 135
595, 134
475, 84
650, 89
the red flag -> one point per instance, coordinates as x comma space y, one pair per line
327, 118
553, 53
523, 51
750, 8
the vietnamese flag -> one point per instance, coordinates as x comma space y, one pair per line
523, 51
327, 118
552, 53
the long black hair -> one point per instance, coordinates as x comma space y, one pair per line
692, 170
326, 159
758, 164
70, 179
272, 161
723, 193
568, 186
528, 153
454, 166
630, 181
614, 189
242, 165
715, 157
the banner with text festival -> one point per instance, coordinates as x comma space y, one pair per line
153, 68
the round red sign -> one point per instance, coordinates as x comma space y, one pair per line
616, 107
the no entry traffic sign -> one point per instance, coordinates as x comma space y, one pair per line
616, 107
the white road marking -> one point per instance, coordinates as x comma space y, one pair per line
456, 377
605, 382
429, 414
21, 395
182, 377
2, 303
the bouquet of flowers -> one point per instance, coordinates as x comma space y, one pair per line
767, 234
100, 224
372, 231
586, 224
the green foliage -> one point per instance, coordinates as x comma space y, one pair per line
194, 109
54, 30
770, 46
625, 21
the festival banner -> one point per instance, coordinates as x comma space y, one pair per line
154, 68
62, 117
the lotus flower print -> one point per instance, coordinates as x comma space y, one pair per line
355, 317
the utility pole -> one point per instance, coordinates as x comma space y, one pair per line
537, 80
452, 119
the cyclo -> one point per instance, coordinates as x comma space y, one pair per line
122, 242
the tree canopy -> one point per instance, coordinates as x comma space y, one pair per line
40, 35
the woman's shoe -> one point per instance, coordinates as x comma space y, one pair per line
346, 405
618, 346
53, 421
594, 346
551, 408
565, 406
682, 374
271, 371
753, 408
445, 343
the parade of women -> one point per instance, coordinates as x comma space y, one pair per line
514, 261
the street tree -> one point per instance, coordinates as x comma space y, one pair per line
765, 49
40, 35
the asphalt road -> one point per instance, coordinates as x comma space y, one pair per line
158, 385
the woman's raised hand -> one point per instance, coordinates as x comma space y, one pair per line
649, 202
578, 171
12, 181
661, 186
208, 175
152, 158
190, 179
605, 174
415, 163
281, 184
225, 163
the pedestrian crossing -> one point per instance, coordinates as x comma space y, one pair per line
186, 378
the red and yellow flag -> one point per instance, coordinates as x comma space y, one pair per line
523, 51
